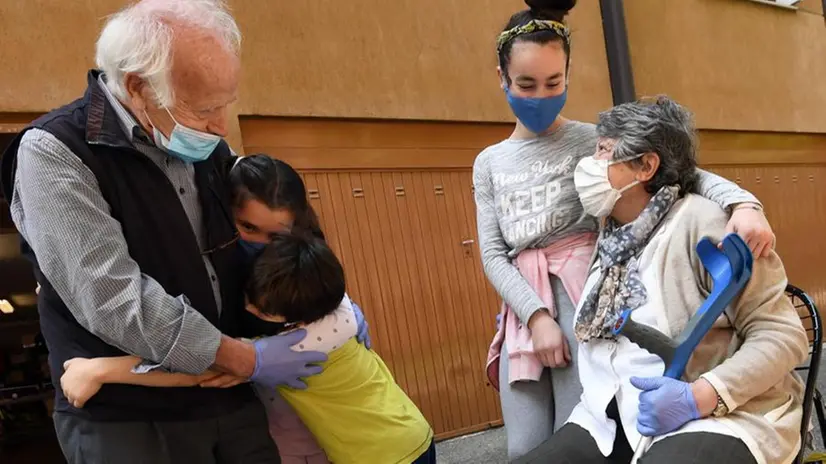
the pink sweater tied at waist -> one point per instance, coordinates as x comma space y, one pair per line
568, 259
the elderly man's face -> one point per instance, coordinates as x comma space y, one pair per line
205, 79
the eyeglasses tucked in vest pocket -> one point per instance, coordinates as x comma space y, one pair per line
233, 240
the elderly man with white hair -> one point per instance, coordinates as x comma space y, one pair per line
121, 203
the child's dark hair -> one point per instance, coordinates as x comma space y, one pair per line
277, 185
549, 10
298, 277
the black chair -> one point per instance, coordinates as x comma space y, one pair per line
807, 310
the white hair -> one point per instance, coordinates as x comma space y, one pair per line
138, 40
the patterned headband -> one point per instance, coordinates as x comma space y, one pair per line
534, 25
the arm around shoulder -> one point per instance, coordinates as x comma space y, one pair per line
773, 339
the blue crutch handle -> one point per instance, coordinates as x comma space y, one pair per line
730, 270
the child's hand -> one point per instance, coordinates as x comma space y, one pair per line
220, 380
80, 380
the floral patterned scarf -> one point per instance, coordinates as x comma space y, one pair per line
619, 286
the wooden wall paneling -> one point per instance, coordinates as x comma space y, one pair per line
290, 132
360, 228
795, 199
472, 308
488, 301
387, 312
375, 231
424, 308
787, 172
318, 187
379, 235
449, 238
327, 144
462, 306
430, 256
405, 304
345, 219
12, 123
483, 304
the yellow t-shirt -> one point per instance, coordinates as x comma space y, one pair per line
358, 413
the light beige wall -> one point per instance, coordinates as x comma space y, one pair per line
400, 59
738, 65
404, 59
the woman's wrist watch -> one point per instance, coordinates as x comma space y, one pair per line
721, 409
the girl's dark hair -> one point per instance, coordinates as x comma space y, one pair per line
549, 10
277, 185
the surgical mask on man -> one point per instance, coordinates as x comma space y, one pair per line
536, 114
185, 143
596, 193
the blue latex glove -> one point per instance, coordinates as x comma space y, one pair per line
277, 364
363, 333
665, 405
498, 321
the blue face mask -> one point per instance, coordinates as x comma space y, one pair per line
537, 114
186, 144
252, 249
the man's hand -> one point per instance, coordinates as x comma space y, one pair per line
362, 334
277, 364
549, 344
80, 380
752, 225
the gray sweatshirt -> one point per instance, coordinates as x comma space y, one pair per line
525, 198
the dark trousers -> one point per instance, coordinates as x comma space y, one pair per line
574, 445
429, 456
241, 437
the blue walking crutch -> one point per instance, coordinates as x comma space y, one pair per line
730, 270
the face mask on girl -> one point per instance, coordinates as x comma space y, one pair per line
251, 249
537, 114
596, 193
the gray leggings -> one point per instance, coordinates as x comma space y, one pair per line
532, 411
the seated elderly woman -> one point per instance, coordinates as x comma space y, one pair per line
739, 401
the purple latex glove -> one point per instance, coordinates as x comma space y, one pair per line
498, 321
277, 364
363, 332
665, 405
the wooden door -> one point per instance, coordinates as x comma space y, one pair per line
408, 243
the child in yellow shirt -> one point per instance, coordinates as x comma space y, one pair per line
354, 407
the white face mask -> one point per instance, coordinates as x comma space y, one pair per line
596, 193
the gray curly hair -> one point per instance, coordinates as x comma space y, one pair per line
654, 125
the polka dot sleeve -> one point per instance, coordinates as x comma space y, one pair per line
330, 333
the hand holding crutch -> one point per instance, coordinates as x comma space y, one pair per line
666, 403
